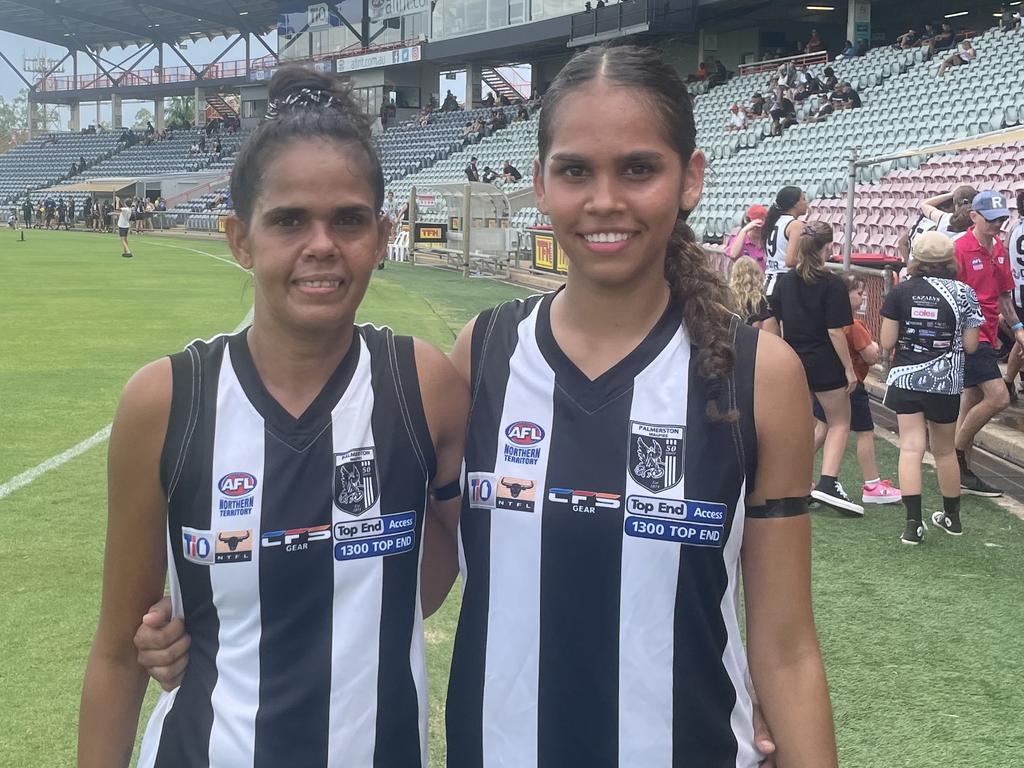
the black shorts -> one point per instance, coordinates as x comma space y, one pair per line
982, 366
123, 231
941, 409
824, 371
860, 410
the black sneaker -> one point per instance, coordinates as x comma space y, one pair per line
946, 523
127, 255
913, 533
831, 493
974, 485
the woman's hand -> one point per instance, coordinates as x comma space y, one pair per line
851, 380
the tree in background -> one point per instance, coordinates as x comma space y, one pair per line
142, 117
179, 112
13, 123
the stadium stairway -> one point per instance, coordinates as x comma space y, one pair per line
910, 109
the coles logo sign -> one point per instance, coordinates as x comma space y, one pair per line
236, 484
524, 433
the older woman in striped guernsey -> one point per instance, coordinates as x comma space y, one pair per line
279, 478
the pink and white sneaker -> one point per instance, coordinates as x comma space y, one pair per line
881, 492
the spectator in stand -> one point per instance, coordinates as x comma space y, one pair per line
930, 321
451, 104
746, 243
811, 307
737, 119
1008, 19
522, 113
758, 107
719, 76
472, 174
943, 41
844, 97
806, 79
849, 51
786, 76
503, 101
864, 352
782, 112
488, 100
700, 75
814, 44
510, 173
983, 265
927, 35
908, 39
489, 175
802, 93
965, 55
746, 282
822, 111
862, 47
829, 82
498, 120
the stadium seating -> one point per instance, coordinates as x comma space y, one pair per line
882, 211
47, 160
168, 156
913, 108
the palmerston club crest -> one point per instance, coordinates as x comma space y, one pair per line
356, 485
656, 454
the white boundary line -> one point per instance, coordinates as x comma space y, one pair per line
29, 475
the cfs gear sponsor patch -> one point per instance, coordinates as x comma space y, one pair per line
295, 539
375, 537
586, 502
656, 454
695, 523
481, 489
356, 483
211, 547
516, 493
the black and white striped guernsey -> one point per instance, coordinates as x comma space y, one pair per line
294, 555
599, 544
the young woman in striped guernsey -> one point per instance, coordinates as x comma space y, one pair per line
279, 478
630, 445
659, 447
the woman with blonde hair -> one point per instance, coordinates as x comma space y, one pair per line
746, 281
811, 306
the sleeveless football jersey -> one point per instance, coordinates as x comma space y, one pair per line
1017, 263
599, 543
293, 556
775, 253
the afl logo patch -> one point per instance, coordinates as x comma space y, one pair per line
524, 433
237, 484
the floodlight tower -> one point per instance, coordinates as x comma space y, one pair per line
41, 64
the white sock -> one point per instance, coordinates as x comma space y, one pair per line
876, 481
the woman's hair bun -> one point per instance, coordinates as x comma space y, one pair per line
295, 88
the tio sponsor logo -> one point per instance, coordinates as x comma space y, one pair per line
585, 501
481, 489
524, 433
235, 484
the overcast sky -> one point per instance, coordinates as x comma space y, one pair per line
16, 47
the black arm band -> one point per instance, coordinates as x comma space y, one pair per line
448, 492
791, 506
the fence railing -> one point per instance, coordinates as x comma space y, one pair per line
772, 64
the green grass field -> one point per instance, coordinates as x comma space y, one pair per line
922, 645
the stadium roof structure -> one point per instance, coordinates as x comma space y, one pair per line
99, 24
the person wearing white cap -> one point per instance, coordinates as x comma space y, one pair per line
930, 320
985, 267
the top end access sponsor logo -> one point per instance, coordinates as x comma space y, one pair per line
524, 433
237, 484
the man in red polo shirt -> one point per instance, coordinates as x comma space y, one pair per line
985, 267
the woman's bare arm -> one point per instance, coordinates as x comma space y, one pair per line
133, 571
782, 643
